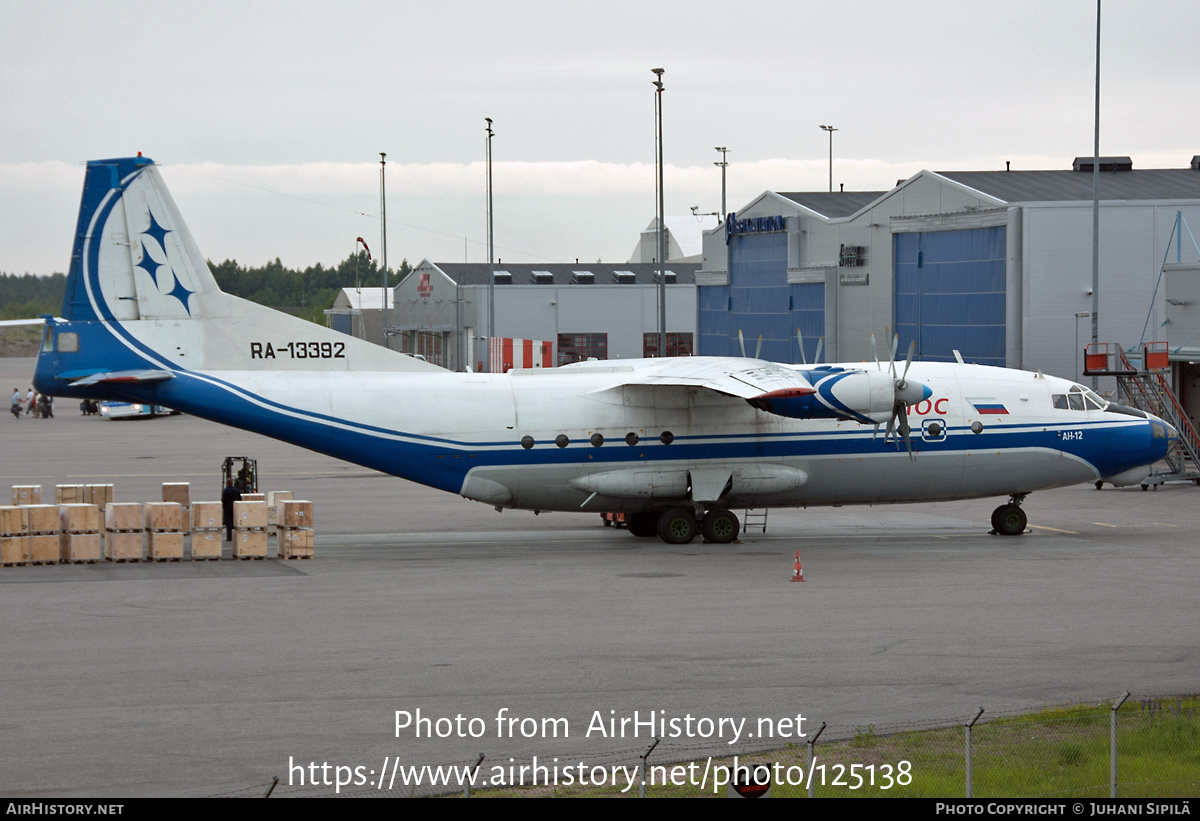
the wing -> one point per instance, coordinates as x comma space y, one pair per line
749, 379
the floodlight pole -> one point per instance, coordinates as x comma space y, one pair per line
662, 246
723, 165
491, 249
830, 129
1096, 205
383, 239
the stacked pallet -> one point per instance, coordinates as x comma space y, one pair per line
275, 500
14, 534
250, 530
79, 539
164, 528
44, 529
123, 527
178, 492
207, 523
295, 539
26, 494
98, 495
69, 495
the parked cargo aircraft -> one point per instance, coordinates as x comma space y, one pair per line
676, 443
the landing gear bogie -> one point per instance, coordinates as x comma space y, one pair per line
1009, 520
720, 526
677, 527
643, 525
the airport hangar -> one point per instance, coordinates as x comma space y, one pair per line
994, 264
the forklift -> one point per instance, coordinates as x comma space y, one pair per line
245, 477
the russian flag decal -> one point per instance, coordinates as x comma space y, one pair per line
989, 407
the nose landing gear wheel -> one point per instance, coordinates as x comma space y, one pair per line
1009, 520
720, 526
677, 527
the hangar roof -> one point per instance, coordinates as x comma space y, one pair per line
836, 204
603, 273
1052, 186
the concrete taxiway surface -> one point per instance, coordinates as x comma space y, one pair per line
206, 679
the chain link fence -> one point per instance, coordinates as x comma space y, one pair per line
1128, 747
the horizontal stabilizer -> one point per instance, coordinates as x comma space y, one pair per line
123, 376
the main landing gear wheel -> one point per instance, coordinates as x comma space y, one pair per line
677, 527
1009, 520
720, 526
644, 525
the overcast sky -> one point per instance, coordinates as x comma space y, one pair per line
268, 117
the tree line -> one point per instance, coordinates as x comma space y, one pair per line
305, 293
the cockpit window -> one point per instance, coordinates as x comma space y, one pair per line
1079, 398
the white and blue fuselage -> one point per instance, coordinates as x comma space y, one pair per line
144, 321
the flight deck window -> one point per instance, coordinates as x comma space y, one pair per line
1060, 401
1076, 401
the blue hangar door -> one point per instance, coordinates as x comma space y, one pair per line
950, 294
759, 301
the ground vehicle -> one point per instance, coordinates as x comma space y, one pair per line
129, 410
243, 471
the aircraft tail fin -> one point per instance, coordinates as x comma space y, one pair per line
140, 296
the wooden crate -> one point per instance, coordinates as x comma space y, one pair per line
275, 500
123, 546
44, 519
79, 518
254, 497
249, 544
207, 516
99, 495
44, 549
296, 513
178, 492
14, 549
206, 544
26, 494
123, 516
295, 543
164, 516
14, 520
250, 515
79, 547
69, 494
165, 545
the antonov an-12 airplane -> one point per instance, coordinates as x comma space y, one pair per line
675, 443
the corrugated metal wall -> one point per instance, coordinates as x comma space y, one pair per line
759, 301
950, 294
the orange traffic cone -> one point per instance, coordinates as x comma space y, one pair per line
797, 571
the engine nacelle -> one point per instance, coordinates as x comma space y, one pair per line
840, 393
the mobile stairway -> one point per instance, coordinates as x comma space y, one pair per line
1146, 388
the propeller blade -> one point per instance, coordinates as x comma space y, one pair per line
820, 345
905, 429
800, 339
912, 348
758, 349
875, 435
742, 342
875, 353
